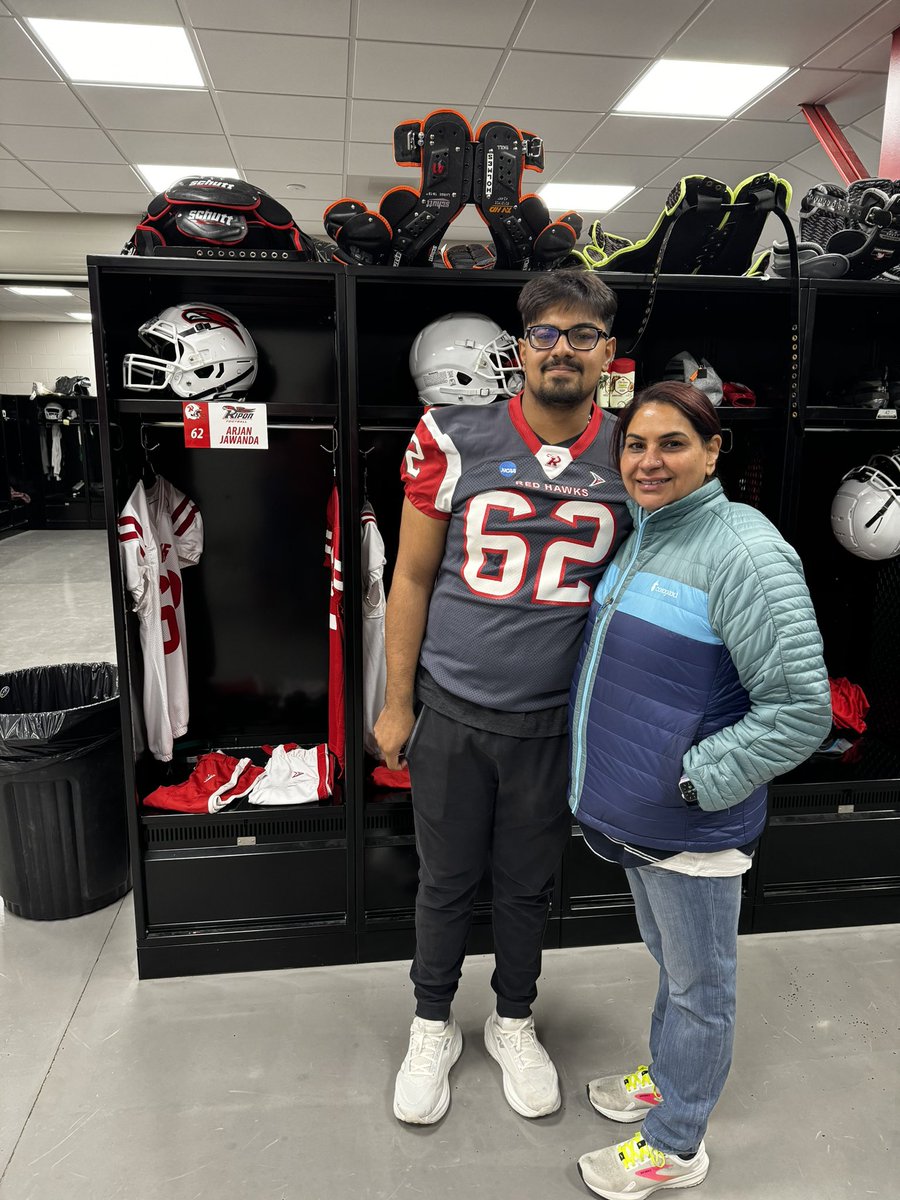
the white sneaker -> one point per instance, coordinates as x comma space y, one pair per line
422, 1090
530, 1083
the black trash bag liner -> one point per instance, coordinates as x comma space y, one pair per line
59, 712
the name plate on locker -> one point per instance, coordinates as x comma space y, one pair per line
225, 425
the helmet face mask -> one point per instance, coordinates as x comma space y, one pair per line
199, 352
465, 358
865, 513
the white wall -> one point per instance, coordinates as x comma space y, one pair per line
43, 350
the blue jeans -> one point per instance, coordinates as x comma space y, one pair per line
689, 925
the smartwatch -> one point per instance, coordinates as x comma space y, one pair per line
688, 792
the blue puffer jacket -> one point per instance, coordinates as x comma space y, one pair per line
701, 657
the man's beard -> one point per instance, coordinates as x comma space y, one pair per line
562, 393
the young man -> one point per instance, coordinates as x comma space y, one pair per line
511, 513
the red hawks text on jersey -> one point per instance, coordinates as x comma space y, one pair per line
531, 530
160, 532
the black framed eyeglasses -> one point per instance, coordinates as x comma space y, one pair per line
579, 337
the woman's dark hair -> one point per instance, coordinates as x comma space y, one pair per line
567, 290
690, 402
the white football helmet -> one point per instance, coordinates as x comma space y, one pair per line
465, 358
865, 513
200, 351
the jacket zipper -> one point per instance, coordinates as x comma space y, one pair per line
590, 666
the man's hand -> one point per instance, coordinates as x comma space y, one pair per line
392, 730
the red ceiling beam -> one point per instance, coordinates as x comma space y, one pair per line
846, 161
889, 164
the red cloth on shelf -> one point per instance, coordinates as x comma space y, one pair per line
848, 705
397, 781
215, 781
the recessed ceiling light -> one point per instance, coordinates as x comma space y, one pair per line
79, 316
685, 88
589, 197
110, 52
296, 187
39, 291
159, 175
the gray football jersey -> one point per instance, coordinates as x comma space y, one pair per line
531, 529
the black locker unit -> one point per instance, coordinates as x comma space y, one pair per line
336, 882
830, 854
20, 465
74, 500
252, 887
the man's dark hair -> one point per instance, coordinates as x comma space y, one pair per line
567, 290
690, 401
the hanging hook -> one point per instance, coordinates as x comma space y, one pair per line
332, 450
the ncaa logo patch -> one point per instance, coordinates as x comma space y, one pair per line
507, 469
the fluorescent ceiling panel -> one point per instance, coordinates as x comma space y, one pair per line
685, 88
159, 175
40, 291
589, 197
109, 52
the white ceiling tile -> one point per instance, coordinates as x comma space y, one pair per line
108, 202
757, 139
28, 102
198, 149
14, 175
387, 71
19, 57
4, 153
318, 187
856, 97
309, 17
564, 81
647, 200
876, 58
816, 162
864, 32
32, 200
734, 31
668, 136
553, 163
45, 143
280, 63
304, 212
872, 123
89, 177
641, 28
138, 12
177, 110
612, 168
375, 120
286, 154
370, 188
250, 114
435, 22
561, 131
730, 171
368, 158
803, 87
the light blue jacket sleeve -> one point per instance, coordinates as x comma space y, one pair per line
760, 606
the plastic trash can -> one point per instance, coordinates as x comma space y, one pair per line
63, 829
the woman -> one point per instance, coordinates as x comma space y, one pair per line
700, 679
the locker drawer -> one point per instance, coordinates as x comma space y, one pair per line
234, 885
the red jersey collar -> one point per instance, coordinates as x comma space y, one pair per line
534, 443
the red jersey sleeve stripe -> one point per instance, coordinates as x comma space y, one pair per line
186, 524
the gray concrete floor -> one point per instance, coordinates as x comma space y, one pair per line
278, 1084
